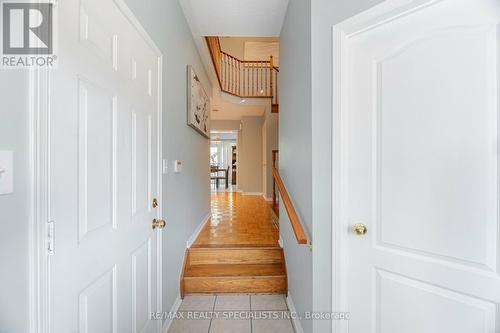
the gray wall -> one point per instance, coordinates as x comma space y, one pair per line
305, 144
270, 132
325, 14
186, 195
250, 155
14, 212
225, 125
295, 147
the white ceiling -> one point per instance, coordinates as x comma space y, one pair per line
232, 111
256, 18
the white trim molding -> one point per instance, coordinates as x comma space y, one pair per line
297, 326
197, 231
266, 198
39, 261
175, 307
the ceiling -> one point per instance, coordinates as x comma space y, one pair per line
230, 111
256, 18
223, 135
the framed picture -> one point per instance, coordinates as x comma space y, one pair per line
198, 105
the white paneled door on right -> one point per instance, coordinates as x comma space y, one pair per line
420, 170
104, 172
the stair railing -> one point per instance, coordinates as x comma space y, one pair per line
244, 78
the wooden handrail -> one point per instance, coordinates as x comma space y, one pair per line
244, 78
298, 230
275, 155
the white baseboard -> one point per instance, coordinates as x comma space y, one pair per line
267, 198
295, 321
197, 231
251, 193
174, 308
280, 242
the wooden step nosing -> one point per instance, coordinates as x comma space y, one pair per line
233, 277
199, 249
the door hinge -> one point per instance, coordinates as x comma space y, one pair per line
50, 238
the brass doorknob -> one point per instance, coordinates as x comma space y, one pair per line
359, 229
160, 224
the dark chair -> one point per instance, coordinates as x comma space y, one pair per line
224, 177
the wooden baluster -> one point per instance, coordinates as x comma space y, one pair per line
271, 76
248, 79
260, 77
259, 82
256, 80
275, 152
221, 80
277, 90
250, 89
265, 81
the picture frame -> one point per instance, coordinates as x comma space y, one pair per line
198, 104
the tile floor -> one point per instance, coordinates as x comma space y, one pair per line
233, 314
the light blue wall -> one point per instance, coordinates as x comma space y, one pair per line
325, 14
14, 207
186, 195
295, 147
305, 145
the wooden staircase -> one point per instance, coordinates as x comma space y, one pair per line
240, 270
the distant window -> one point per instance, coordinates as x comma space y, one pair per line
214, 158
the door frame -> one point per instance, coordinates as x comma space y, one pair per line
383, 13
39, 261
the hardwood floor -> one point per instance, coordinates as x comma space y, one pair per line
237, 251
239, 220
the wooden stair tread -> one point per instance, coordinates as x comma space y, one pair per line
235, 270
226, 256
226, 270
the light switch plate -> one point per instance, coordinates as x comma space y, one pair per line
6, 172
177, 166
164, 163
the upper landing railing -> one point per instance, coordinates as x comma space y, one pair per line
242, 78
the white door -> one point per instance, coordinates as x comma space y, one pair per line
420, 170
104, 172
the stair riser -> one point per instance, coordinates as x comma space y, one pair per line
264, 285
234, 256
